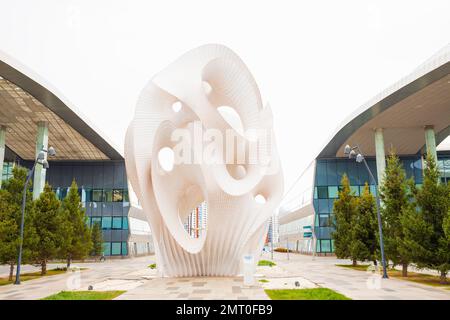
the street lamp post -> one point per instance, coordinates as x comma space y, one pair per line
40, 159
350, 152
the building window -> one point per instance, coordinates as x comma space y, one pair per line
325, 245
322, 192
125, 223
107, 195
97, 195
355, 190
115, 248
106, 223
95, 220
324, 220
117, 195
125, 196
117, 223
333, 192
124, 248
107, 248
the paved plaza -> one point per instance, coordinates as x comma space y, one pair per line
299, 271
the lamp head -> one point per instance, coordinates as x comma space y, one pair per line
347, 149
359, 158
41, 155
51, 152
45, 164
351, 154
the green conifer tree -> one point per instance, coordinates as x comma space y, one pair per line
364, 242
97, 240
48, 219
10, 219
427, 227
77, 242
396, 196
344, 210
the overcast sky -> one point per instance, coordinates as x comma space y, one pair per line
315, 62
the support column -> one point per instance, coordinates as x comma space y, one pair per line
380, 154
2, 150
39, 172
430, 141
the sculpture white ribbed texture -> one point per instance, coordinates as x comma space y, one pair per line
202, 80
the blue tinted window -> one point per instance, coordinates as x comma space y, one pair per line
332, 173
341, 170
318, 245
106, 222
324, 220
355, 190
373, 190
323, 206
125, 223
95, 220
322, 192
124, 248
330, 205
363, 174
353, 173
321, 173
115, 248
333, 192
107, 248
325, 245
117, 223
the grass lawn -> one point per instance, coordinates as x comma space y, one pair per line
263, 263
428, 279
305, 294
31, 276
264, 280
359, 267
84, 295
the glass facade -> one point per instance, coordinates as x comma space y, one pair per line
328, 176
7, 170
103, 189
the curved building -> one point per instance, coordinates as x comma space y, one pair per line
34, 116
412, 116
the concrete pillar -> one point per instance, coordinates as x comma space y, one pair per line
430, 141
2, 150
380, 154
39, 172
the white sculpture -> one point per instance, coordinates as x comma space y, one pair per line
178, 109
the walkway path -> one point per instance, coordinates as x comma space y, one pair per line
355, 284
140, 282
127, 273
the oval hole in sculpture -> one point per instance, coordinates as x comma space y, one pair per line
166, 158
196, 221
206, 87
237, 171
176, 106
232, 118
260, 199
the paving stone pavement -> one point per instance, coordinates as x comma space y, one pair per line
199, 288
357, 285
299, 271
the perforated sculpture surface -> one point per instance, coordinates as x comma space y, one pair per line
201, 81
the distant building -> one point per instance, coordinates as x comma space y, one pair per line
34, 116
412, 116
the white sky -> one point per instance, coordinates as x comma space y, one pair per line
315, 62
